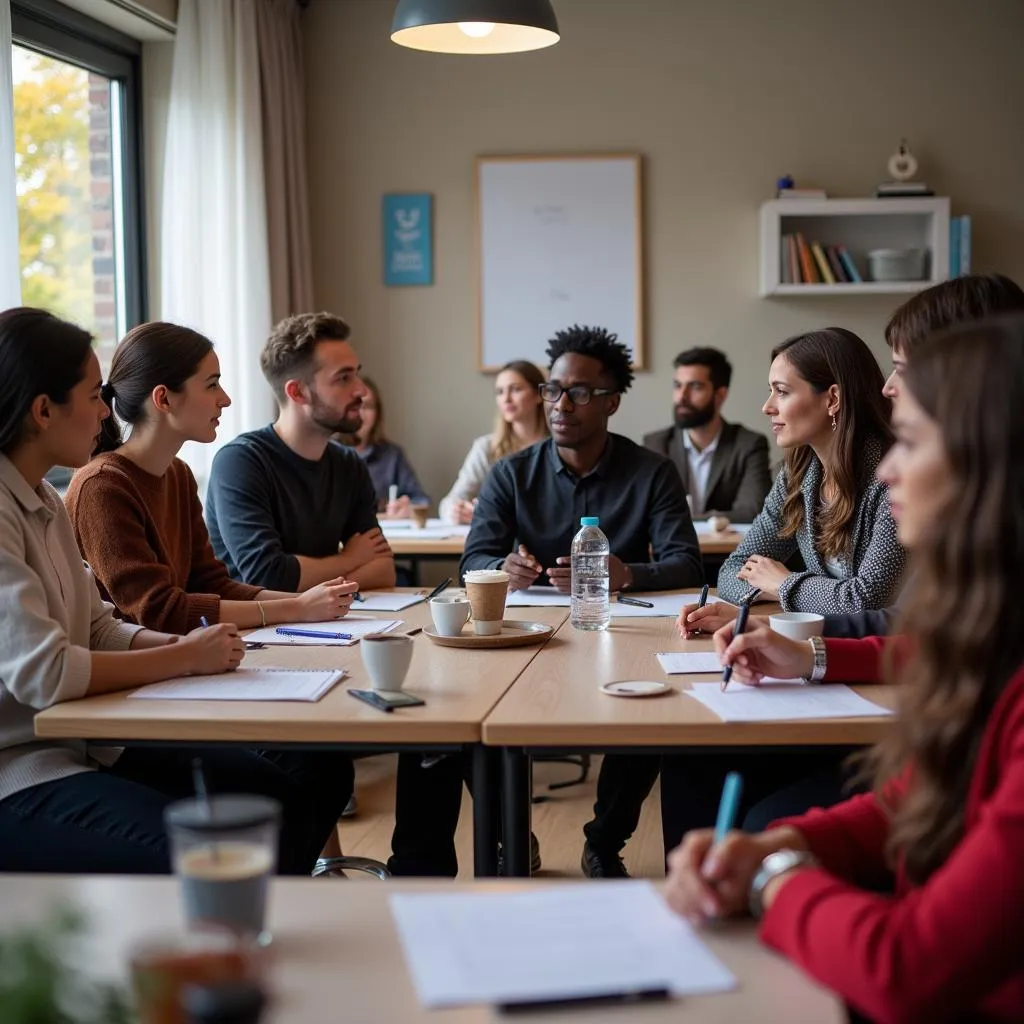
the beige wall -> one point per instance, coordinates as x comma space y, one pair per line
720, 98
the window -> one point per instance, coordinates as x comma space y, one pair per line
76, 132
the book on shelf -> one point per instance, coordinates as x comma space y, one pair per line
832, 255
802, 193
848, 265
793, 254
784, 265
821, 260
808, 271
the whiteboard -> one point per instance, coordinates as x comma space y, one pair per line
559, 244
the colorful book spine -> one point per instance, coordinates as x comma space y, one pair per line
787, 271
954, 246
807, 268
819, 257
965, 244
793, 255
836, 264
848, 265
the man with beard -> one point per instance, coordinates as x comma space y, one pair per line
724, 466
282, 499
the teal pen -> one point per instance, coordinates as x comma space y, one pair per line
729, 806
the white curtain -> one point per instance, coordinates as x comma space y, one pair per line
10, 264
215, 270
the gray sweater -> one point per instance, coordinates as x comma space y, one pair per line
52, 616
867, 577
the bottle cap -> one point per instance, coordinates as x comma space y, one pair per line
590, 521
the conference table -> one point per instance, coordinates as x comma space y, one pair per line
460, 688
442, 541
556, 704
336, 946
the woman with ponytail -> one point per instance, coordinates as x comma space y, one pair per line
135, 506
68, 806
908, 901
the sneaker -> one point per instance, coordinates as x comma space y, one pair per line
534, 857
351, 808
596, 864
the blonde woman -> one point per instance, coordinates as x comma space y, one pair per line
518, 424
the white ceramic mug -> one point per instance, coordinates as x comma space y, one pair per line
797, 625
386, 657
450, 614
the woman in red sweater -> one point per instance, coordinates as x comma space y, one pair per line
943, 829
135, 506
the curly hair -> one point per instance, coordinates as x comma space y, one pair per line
598, 343
289, 351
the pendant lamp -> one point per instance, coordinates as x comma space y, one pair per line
474, 26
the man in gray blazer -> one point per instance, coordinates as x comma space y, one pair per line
724, 466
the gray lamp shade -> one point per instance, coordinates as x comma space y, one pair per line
474, 26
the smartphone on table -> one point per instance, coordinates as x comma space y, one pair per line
387, 700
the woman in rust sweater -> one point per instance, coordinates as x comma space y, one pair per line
135, 506
943, 831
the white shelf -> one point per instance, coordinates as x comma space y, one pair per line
860, 225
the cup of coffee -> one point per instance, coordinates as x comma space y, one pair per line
797, 625
420, 514
718, 523
165, 967
450, 614
386, 657
487, 590
224, 851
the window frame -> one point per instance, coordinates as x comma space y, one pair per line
58, 31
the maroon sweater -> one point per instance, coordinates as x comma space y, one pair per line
146, 541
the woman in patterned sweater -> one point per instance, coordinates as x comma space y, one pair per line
828, 412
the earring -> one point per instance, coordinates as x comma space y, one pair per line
833, 421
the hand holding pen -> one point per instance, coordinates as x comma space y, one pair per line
213, 649
741, 624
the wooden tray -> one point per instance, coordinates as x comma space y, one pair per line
513, 634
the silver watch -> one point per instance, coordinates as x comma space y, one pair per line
820, 660
775, 864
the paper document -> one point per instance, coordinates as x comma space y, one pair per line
247, 684
537, 596
383, 601
703, 528
665, 604
783, 700
676, 663
562, 942
356, 625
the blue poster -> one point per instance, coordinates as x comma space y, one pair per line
407, 242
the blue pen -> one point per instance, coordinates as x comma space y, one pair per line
319, 634
203, 622
729, 806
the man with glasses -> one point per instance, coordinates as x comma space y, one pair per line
529, 510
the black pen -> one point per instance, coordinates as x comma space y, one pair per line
635, 601
741, 624
640, 995
703, 597
358, 597
444, 584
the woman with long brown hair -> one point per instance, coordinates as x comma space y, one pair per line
828, 413
943, 829
518, 423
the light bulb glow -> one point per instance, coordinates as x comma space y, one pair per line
476, 29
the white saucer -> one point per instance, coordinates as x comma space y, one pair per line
636, 688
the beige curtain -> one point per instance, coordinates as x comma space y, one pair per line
284, 156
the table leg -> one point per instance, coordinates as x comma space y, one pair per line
486, 801
516, 812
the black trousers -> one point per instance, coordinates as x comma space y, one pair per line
623, 784
111, 820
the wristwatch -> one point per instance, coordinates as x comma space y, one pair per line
820, 660
775, 864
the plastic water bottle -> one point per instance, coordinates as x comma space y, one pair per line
591, 608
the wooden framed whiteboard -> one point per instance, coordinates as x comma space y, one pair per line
559, 242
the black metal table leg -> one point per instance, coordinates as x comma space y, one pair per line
516, 811
486, 804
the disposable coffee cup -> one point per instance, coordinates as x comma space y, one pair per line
487, 590
420, 514
797, 625
224, 852
450, 614
387, 657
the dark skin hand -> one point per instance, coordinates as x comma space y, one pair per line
522, 568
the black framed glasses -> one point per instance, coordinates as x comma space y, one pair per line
579, 394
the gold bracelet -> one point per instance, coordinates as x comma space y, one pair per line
263, 614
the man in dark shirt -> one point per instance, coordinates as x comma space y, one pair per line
529, 510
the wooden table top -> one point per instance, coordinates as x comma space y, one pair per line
407, 544
557, 701
335, 945
459, 686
